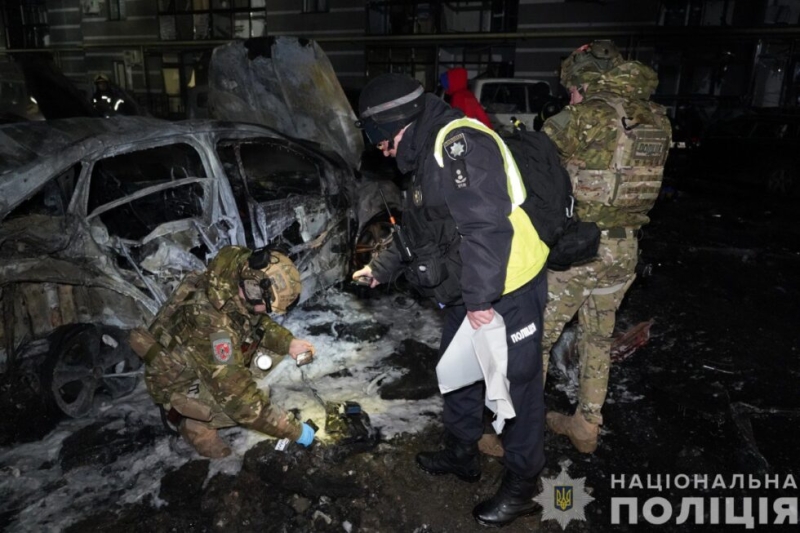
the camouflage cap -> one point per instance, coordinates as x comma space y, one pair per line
589, 62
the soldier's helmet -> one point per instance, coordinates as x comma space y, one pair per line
589, 62
387, 104
271, 277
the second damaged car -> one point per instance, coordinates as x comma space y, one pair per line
101, 218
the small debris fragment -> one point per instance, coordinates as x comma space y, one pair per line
627, 343
320, 514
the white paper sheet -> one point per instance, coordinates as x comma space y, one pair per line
459, 366
479, 354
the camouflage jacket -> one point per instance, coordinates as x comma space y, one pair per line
210, 336
591, 135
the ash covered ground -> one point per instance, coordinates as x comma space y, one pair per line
713, 392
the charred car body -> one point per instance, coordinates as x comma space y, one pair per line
101, 218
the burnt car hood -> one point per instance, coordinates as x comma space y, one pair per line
287, 84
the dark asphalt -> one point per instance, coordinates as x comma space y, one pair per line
715, 391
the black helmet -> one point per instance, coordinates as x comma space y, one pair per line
387, 104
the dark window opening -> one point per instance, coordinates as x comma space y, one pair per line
272, 169
504, 98
136, 219
52, 199
315, 6
119, 176
115, 9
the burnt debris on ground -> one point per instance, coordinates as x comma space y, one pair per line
713, 391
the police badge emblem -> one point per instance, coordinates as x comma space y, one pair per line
456, 146
416, 195
222, 346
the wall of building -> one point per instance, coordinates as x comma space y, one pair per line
345, 18
541, 58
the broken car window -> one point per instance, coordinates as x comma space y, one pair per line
52, 199
136, 219
272, 169
119, 176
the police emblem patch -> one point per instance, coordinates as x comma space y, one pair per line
416, 194
456, 146
222, 346
563, 499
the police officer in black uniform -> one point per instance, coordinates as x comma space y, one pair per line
468, 245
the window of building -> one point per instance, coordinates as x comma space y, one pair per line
26, 23
315, 6
191, 20
116, 9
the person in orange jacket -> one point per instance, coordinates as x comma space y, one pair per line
454, 82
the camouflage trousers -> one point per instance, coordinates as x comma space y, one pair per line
195, 402
594, 291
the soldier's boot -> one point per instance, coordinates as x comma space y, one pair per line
581, 432
513, 499
205, 440
459, 458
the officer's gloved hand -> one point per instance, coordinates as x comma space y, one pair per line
307, 436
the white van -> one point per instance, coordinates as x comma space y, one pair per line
503, 98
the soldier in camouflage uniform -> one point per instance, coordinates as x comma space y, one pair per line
614, 143
199, 348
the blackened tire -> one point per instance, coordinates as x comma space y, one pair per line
83, 360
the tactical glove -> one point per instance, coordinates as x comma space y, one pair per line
307, 436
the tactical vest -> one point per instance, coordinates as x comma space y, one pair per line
633, 180
528, 252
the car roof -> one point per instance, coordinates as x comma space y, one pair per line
30, 152
22, 144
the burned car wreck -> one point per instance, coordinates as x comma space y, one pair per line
101, 218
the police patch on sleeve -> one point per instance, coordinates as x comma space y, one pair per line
456, 146
222, 346
460, 177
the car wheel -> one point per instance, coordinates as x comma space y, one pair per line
781, 180
85, 359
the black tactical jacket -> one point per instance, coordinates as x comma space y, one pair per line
456, 217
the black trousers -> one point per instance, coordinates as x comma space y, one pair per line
523, 436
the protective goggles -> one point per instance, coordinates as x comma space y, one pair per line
258, 291
377, 133
393, 117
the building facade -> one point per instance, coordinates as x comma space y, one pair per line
741, 51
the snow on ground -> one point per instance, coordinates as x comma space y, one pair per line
33, 482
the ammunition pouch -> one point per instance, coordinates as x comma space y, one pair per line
576, 246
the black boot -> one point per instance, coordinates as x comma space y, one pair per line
458, 457
513, 499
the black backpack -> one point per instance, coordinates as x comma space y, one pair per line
550, 204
